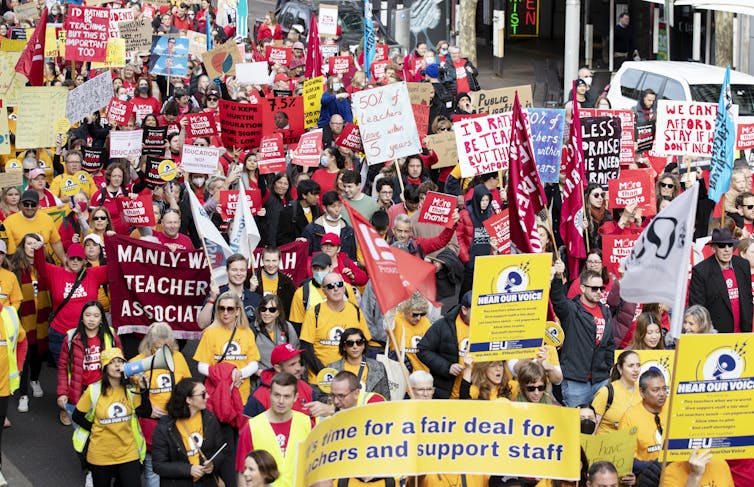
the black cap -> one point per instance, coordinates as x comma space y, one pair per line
30, 195
466, 300
321, 259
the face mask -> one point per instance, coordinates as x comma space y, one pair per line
588, 426
443, 51
336, 86
199, 182
330, 218
248, 57
123, 97
588, 80
323, 160
144, 89
604, 106
319, 276
55, 12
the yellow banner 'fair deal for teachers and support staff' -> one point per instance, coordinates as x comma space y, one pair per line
418, 437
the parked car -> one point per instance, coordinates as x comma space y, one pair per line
675, 80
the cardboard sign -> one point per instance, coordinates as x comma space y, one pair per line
253, 73
222, 60
635, 186
309, 149
272, 155
283, 115
350, 138
89, 97
444, 145
120, 111
27, 11
241, 124
118, 15
419, 93
201, 124
38, 109
137, 34
498, 226
279, 55
386, 121
137, 212
153, 143
614, 249
197, 43
745, 133
438, 209
327, 21
501, 100
314, 88
339, 65
126, 143
11, 179
601, 142
229, 199
616, 447
87, 31
627, 130
546, 126
645, 136
685, 128
199, 160
421, 117
483, 143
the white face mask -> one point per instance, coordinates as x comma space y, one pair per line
604, 106
336, 86
123, 97
588, 80
199, 182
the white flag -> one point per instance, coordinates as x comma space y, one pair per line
217, 249
244, 234
656, 270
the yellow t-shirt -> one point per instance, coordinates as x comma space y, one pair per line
16, 226
409, 336
270, 285
298, 310
192, 434
10, 289
474, 393
111, 440
243, 350
648, 438
623, 399
717, 474
307, 214
160, 386
324, 332
354, 369
57, 183
462, 332
4, 368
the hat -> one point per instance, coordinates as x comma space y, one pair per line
320, 259
109, 354
284, 352
3, 247
297, 63
36, 172
722, 236
433, 71
76, 250
213, 92
179, 92
30, 195
281, 77
330, 238
298, 45
466, 300
462, 95
94, 238
298, 28
580, 82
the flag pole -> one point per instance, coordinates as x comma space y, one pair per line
554, 245
204, 247
583, 208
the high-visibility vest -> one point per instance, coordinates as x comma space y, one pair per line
264, 438
81, 436
364, 397
10, 325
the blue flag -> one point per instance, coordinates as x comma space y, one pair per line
208, 33
242, 18
721, 164
370, 43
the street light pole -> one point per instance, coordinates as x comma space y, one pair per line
571, 55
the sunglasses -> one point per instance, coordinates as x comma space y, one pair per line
596, 288
202, 394
212, 98
536, 388
748, 207
666, 185
75, 258
353, 343
419, 315
265, 309
226, 309
443, 130
29, 204
100, 218
724, 245
333, 285
598, 195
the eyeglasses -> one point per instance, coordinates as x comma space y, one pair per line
100, 218
265, 309
29, 204
227, 309
340, 397
595, 288
333, 285
536, 388
419, 315
356, 343
657, 423
593, 261
724, 245
203, 395
666, 185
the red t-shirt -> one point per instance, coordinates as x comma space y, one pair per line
92, 371
180, 242
729, 275
246, 443
599, 320
462, 81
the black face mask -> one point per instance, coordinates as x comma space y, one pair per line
588, 426
144, 89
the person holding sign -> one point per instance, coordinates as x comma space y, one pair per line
73, 160
485, 380
612, 401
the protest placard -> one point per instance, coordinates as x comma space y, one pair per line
201, 124
711, 395
635, 187
119, 111
11, 179
313, 90
327, 21
253, 73
137, 212
483, 143
94, 158
39, 107
149, 282
51, 41
8, 62
393, 439
444, 145
744, 133
419, 93
154, 173
137, 34
116, 55
153, 143
498, 226
284, 115
601, 143
614, 249
118, 15
660, 360
197, 43
421, 117
222, 60
272, 155
293, 257
501, 99
645, 136
198, 159
241, 124
438, 209
89, 97
26, 11
339, 65
309, 149
279, 55
546, 127
684, 128
350, 138
627, 130
4, 132
87, 30
386, 121
616, 447
229, 199
69, 186
126, 144
509, 304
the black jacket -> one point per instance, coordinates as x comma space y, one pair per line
438, 349
708, 289
580, 358
451, 82
169, 455
292, 222
314, 232
274, 207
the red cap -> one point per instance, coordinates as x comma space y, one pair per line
281, 77
284, 352
330, 238
76, 250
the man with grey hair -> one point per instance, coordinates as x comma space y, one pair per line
420, 246
460, 74
422, 384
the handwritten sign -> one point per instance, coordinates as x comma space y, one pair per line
222, 60
327, 20
615, 248
27, 11
616, 447
201, 124
137, 34
89, 97
626, 134
501, 99
87, 30
386, 121
38, 109
314, 88
684, 128
421, 117
444, 145
308, 150
241, 124
635, 187
498, 226
350, 138
126, 143
438, 209
745, 133
118, 15
200, 160
138, 212
483, 144
272, 155
546, 128
420, 93
601, 143
119, 111
4, 132
197, 43
229, 200
10, 179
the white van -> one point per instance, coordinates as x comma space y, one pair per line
675, 80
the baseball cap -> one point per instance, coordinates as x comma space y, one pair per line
281, 77
298, 28
284, 352
94, 238
330, 238
213, 92
109, 354
36, 172
580, 82
30, 195
466, 300
76, 250
298, 45
320, 259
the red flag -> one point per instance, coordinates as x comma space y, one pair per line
572, 212
313, 57
526, 197
400, 273
32, 61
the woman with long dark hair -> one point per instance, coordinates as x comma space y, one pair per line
279, 196
272, 329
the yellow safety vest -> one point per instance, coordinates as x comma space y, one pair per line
81, 436
10, 324
264, 439
364, 397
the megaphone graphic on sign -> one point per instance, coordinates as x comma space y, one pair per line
725, 363
163, 359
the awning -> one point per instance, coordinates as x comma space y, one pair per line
733, 6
